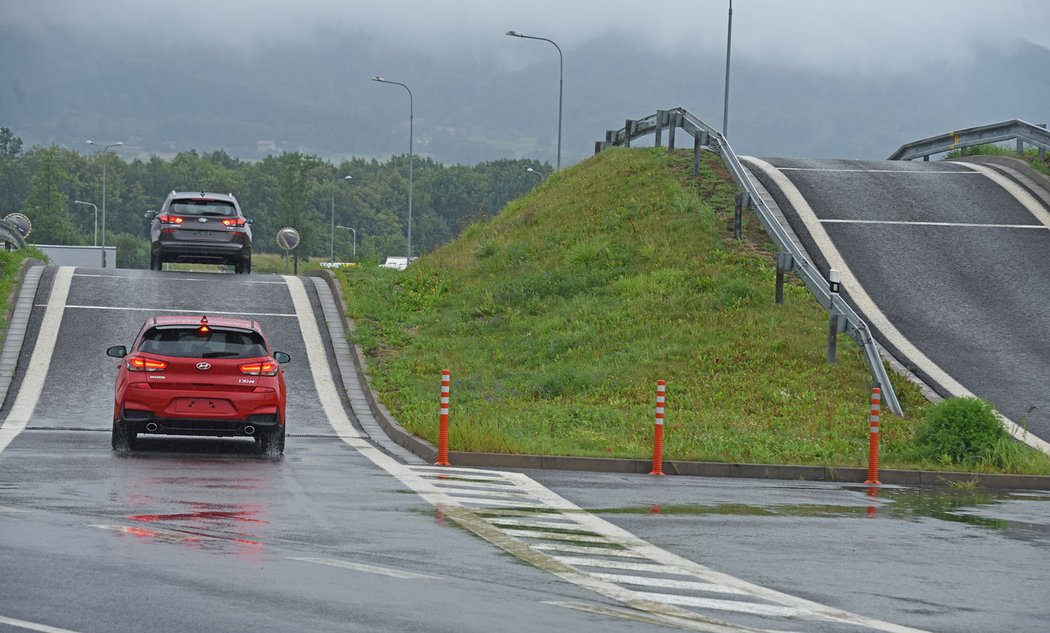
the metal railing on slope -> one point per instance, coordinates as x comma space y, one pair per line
1022, 131
707, 138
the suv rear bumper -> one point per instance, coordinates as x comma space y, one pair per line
202, 251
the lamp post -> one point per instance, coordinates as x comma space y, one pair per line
88, 204
347, 228
536, 171
408, 258
331, 242
102, 153
561, 82
729, 48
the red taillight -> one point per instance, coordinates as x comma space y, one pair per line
137, 363
171, 219
233, 222
265, 368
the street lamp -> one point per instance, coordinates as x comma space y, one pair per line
536, 171
561, 82
102, 153
347, 228
729, 48
88, 204
410, 123
331, 243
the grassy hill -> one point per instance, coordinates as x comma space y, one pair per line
557, 318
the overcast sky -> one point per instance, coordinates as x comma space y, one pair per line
847, 35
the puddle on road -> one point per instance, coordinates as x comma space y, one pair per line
977, 508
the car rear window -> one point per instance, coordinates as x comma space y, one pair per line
212, 208
190, 342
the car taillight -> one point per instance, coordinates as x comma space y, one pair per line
265, 368
233, 222
136, 363
171, 219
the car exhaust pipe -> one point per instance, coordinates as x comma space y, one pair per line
151, 427
249, 430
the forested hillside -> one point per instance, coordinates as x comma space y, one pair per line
290, 189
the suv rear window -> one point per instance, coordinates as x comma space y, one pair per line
190, 342
212, 208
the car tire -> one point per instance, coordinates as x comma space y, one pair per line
156, 262
123, 440
242, 266
271, 442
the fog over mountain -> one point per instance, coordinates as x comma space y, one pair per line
809, 79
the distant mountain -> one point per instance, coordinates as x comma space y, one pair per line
164, 96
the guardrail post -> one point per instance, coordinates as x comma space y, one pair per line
743, 199
1042, 150
628, 129
661, 121
784, 262
833, 317
610, 137
1020, 147
672, 123
597, 147
696, 155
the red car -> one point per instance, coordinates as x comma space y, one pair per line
199, 376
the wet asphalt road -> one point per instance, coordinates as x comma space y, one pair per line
963, 270
205, 535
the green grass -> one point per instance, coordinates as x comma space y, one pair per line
558, 316
1031, 155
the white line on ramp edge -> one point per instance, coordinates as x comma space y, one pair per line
33, 626
40, 362
867, 305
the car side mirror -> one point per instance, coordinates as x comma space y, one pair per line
117, 351
249, 220
282, 357
149, 215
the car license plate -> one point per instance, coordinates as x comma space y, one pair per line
203, 406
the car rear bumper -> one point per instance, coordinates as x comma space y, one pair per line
200, 251
145, 422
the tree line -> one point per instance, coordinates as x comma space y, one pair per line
290, 189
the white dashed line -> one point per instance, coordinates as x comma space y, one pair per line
32, 626
957, 224
370, 569
954, 172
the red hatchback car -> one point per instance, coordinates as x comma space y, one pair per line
199, 376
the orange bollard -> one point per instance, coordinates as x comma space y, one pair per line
658, 436
873, 437
442, 459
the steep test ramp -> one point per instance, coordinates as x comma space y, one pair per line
948, 262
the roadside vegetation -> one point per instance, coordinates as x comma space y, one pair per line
1030, 156
558, 316
10, 273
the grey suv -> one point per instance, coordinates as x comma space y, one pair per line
202, 228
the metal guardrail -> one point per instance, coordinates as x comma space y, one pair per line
707, 138
10, 234
1021, 131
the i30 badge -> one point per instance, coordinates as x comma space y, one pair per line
202, 219
204, 366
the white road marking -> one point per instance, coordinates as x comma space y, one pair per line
957, 224
170, 310
955, 172
40, 362
173, 278
753, 608
587, 549
669, 583
32, 626
371, 569
867, 305
422, 479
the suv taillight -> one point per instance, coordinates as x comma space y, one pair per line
137, 363
265, 368
167, 218
233, 222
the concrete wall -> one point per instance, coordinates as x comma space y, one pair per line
86, 256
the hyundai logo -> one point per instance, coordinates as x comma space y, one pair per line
202, 219
204, 366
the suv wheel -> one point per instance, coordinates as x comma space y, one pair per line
242, 266
123, 440
155, 261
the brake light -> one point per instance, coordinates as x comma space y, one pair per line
265, 368
233, 222
204, 329
137, 363
167, 218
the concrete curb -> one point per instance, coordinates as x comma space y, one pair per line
1006, 161
17, 319
428, 452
